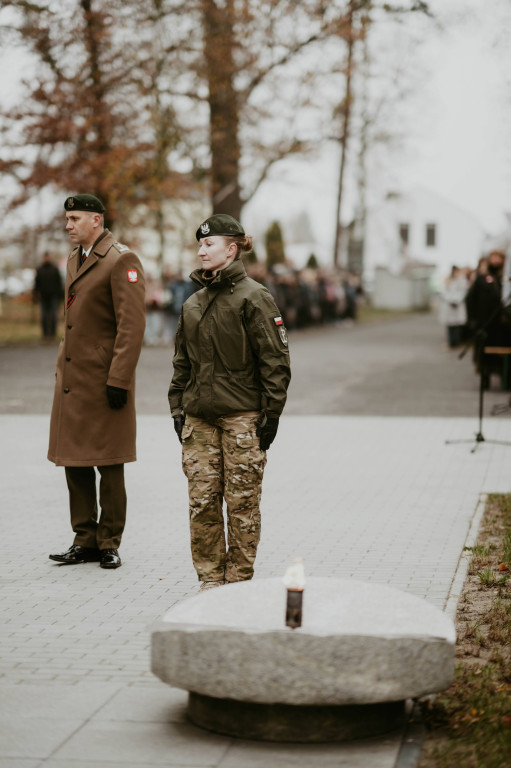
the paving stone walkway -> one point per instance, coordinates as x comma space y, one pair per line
371, 498
359, 482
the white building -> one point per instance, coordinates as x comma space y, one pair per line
421, 227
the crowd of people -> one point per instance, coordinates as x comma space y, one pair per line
305, 297
472, 308
310, 296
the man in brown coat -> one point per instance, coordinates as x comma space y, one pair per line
93, 416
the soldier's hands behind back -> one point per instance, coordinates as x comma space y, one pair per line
267, 432
117, 397
179, 422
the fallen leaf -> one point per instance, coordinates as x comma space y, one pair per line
503, 567
506, 720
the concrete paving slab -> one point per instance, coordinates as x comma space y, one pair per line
55, 702
144, 743
155, 704
369, 753
14, 762
111, 764
34, 737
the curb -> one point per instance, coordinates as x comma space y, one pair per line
451, 604
413, 739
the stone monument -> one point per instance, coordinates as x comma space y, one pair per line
361, 651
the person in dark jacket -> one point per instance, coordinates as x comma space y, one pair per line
228, 390
49, 291
487, 320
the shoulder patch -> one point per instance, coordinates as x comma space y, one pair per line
132, 275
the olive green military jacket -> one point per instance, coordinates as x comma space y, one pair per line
231, 351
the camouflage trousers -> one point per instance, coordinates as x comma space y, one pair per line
222, 460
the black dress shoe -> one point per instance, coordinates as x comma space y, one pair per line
110, 558
76, 554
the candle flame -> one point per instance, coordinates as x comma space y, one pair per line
294, 577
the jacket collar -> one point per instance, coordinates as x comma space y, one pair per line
100, 248
226, 277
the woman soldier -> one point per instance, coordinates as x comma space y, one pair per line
231, 373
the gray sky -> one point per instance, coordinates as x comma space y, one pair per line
458, 124
457, 121
465, 153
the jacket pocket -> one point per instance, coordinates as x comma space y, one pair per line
187, 432
101, 353
244, 441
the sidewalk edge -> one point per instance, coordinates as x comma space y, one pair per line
460, 575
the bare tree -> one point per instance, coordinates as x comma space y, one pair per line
360, 16
144, 100
79, 118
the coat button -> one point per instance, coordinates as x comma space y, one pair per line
69, 326
68, 359
66, 390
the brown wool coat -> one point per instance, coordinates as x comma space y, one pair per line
104, 331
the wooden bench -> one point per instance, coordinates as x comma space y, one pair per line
505, 352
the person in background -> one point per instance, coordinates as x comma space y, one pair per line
228, 390
487, 319
453, 312
48, 291
93, 421
179, 290
154, 311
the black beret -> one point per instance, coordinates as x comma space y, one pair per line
220, 224
84, 203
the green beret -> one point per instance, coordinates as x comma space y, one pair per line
84, 203
220, 224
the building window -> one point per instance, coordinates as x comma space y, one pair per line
404, 233
430, 235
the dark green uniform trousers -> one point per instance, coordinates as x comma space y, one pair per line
106, 532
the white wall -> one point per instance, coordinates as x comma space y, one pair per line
459, 236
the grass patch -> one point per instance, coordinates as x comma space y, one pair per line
470, 723
19, 321
368, 314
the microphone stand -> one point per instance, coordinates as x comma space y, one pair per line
480, 336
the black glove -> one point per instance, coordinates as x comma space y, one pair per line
179, 422
267, 431
117, 397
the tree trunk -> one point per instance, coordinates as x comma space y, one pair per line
94, 38
219, 44
346, 113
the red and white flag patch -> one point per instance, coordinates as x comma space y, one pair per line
132, 275
278, 321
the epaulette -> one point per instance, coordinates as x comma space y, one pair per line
121, 247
